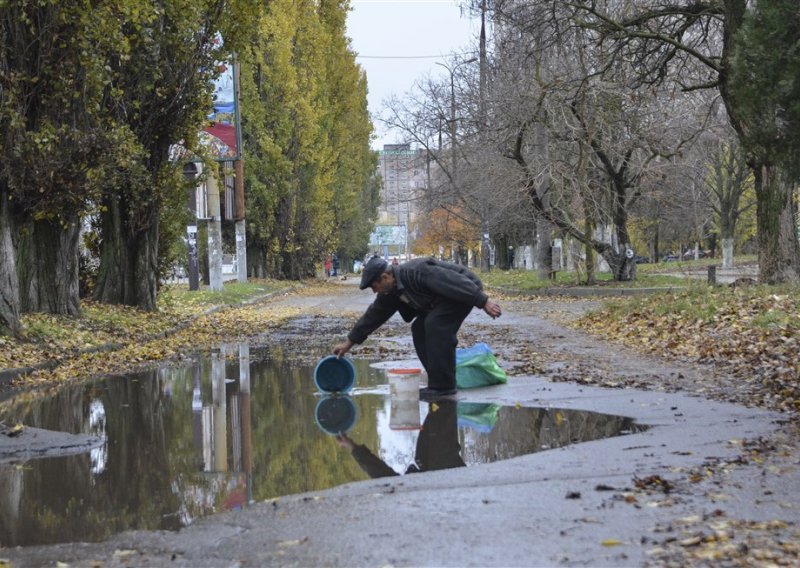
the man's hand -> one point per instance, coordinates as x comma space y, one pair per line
342, 348
492, 309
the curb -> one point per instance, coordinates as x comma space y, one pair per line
589, 292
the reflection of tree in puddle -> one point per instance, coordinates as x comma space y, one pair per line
219, 433
97, 427
177, 446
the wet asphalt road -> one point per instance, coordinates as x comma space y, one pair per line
594, 504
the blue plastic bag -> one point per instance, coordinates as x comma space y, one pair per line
476, 367
480, 416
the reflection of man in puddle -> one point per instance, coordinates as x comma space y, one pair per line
437, 445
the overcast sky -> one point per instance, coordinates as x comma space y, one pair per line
399, 42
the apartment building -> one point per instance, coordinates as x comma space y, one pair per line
404, 178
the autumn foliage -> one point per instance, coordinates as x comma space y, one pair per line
447, 228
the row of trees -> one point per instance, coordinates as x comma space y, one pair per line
584, 115
310, 176
94, 98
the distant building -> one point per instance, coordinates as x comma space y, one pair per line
404, 176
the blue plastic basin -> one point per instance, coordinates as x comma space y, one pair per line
334, 374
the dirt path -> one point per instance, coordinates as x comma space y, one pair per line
532, 337
709, 484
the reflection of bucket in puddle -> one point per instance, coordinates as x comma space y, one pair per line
404, 389
335, 414
404, 414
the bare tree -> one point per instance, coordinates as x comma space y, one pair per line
729, 180
586, 141
688, 45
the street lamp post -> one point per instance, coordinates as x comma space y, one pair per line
485, 250
451, 71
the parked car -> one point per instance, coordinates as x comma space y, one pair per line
670, 258
641, 259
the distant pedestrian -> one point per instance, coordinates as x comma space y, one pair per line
394, 261
328, 265
335, 265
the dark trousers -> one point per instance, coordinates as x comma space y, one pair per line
437, 445
435, 339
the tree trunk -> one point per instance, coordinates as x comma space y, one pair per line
778, 247
503, 255
654, 246
623, 269
47, 257
727, 253
544, 249
256, 256
591, 278
9, 284
128, 259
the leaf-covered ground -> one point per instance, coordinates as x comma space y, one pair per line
751, 335
115, 339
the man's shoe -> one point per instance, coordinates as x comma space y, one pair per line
430, 392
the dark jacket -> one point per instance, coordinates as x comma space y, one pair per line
419, 285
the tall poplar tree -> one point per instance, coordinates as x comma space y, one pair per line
160, 91
355, 187
306, 137
54, 147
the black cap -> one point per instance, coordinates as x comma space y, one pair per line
374, 268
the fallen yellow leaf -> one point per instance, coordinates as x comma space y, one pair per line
293, 542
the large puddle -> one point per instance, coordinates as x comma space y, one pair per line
220, 433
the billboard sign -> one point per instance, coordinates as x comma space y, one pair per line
220, 136
388, 235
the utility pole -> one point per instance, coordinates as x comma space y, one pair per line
485, 264
190, 171
453, 129
239, 214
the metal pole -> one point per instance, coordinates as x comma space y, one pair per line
190, 171
453, 130
485, 263
453, 122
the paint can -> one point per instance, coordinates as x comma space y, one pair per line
404, 383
